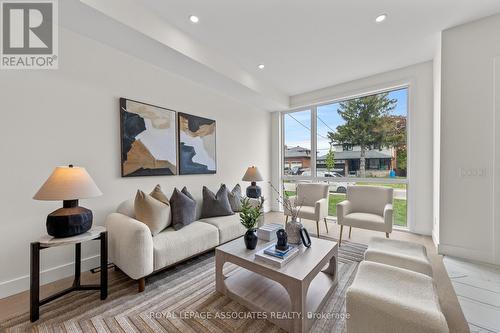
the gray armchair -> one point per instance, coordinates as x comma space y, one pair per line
366, 207
313, 199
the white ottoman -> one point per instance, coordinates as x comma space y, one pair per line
384, 299
398, 253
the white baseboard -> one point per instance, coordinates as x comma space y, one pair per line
466, 253
22, 283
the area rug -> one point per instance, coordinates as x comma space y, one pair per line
181, 299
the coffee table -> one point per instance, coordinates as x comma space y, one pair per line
287, 296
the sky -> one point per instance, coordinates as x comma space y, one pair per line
298, 134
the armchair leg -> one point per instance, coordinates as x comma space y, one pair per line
317, 227
350, 229
286, 219
340, 237
141, 284
386, 235
326, 225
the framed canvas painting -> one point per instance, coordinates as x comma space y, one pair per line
196, 145
148, 139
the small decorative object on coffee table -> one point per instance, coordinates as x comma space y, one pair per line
96, 233
249, 216
268, 231
282, 243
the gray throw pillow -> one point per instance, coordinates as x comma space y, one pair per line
235, 197
183, 208
216, 204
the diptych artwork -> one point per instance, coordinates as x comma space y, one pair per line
148, 139
196, 145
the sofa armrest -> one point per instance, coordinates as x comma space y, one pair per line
321, 208
388, 216
343, 208
130, 245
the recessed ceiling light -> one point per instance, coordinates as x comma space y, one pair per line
261, 66
381, 18
194, 19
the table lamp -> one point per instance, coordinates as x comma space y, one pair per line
253, 175
68, 183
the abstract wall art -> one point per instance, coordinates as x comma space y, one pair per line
197, 143
148, 139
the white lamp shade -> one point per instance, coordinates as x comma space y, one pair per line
252, 175
68, 183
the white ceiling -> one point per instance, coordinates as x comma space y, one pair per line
311, 44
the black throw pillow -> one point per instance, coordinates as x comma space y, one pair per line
183, 208
216, 204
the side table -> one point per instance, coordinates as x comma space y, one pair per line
96, 233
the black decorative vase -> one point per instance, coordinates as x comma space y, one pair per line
250, 239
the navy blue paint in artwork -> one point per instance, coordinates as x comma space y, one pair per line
186, 161
132, 124
186, 153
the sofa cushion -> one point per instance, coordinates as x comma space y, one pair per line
384, 298
398, 253
365, 221
158, 194
229, 227
215, 204
127, 208
235, 197
152, 212
183, 208
171, 246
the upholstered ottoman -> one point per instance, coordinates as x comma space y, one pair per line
398, 253
385, 299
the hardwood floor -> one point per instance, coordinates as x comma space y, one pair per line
20, 303
478, 290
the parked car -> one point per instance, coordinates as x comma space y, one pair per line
334, 186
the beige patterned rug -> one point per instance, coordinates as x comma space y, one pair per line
181, 299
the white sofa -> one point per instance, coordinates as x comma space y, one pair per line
138, 254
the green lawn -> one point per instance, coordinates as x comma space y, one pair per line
399, 186
399, 208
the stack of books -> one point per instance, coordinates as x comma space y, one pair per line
268, 231
277, 258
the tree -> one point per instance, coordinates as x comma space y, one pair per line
364, 124
394, 130
330, 160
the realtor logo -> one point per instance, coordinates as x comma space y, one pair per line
29, 34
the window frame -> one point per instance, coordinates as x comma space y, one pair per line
313, 111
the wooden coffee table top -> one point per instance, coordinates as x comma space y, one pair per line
298, 268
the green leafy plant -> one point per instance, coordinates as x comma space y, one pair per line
250, 213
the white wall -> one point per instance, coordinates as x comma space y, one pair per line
470, 141
420, 155
71, 115
437, 140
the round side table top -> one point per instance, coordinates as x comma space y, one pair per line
49, 241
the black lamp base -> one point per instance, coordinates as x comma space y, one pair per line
254, 191
71, 220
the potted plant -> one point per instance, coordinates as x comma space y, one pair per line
249, 216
